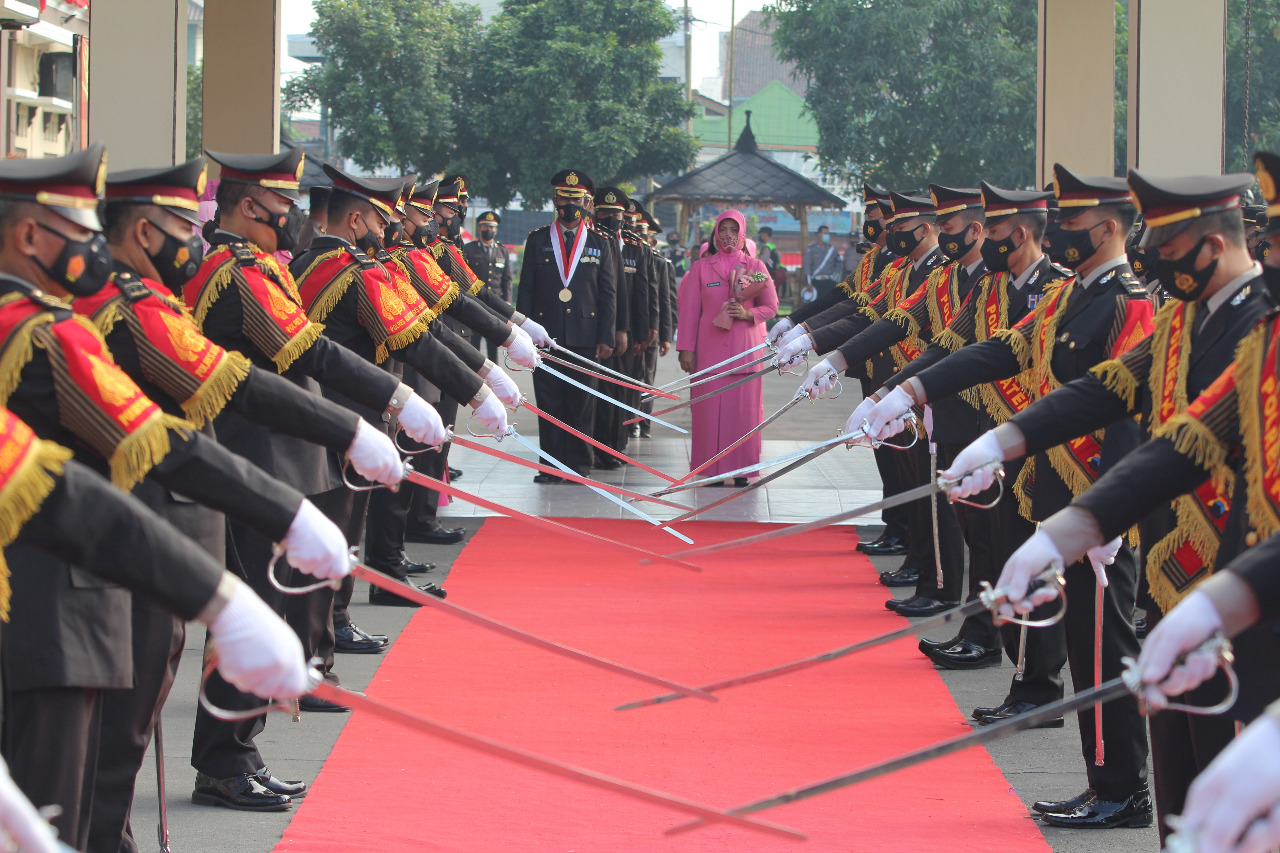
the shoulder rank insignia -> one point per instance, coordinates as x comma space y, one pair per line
132, 287
1241, 296
1063, 271
244, 255
362, 259
1132, 286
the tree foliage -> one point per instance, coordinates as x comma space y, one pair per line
1262, 53
195, 111
388, 78
910, 91
558, 84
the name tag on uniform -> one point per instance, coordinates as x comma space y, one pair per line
713, 284
499, 264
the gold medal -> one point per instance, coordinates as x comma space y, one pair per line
566, 294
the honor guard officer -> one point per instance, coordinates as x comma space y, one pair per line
1099, 314
610, 208
488, 260
565, 287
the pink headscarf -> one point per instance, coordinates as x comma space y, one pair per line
726, 260
751, 248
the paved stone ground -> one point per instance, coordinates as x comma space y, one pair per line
1038, 764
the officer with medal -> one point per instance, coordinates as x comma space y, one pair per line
566, 287
488, 260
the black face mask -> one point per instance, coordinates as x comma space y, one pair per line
487, 234
1261, 251
369, 242
1141, 262
1072, 248
996, 253
954, 246
451, 227
1181, 278
872, 229
392, 234
904, 242
569, 213
287, 226
425, 235
178, 260
82, 267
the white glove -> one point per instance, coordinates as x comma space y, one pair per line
984, 450
888, 417
374, 456
779, 329
799, 345
1180, 632
536, 333
421, 422
1035, 555
1239, 787
821, 379
20, 820
492, 415
257, 652
503, 387
1101, 556
520, 350
860, 414
315, 545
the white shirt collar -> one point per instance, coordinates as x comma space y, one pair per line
973, 266
1026, 274
1213, 303
1102, 270
924, 258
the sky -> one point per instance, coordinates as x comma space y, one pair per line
711, 17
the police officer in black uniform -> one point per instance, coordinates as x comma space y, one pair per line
488, 260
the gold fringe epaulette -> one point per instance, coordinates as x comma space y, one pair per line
213, 287
904, 321
1194, 440
948, 340
398, 340
1118, 379
1193, 528
216, 391
18, 350
1024, 486
142, 449
22, 497
106, 317
297, 345
1248, 363
1021, 348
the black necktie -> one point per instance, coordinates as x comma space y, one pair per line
1202, 316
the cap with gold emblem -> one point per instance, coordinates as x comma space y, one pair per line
382, 193
421, 196
907, 207
872, 193
611, 200
410, 181
1171, 204
489, 217
999, 203
175, 188
948, 201
572, 183
70, 185
453, 192
279, 172
1077, 193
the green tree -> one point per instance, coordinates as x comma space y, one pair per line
1260, 55
195, 111
387, 78
910, 91
558, 84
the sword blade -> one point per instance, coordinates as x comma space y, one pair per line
755, 429
410, 593
1113, 689
621, 405
687, 403
762, 359
552, 419
603, 377
795, 529
481, 447
537, 521
768, 463
644, 386
357, 702
563, 469
684, 379
958, 613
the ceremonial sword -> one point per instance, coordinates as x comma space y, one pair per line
928, 489
988, 599
410, 593
684, 379
610, 400
713, 377
524, 401
329, 692
1127, 683
604, 377
707, 396
595, 365
454, 492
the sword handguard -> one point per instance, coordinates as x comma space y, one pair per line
346, 481
313, 678
277, 551
993, 597
944, 484
395, 439
1217, 645
866, 430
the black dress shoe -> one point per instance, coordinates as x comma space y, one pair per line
378, 595
920, 605
879, 540
902, 577
608, 463
440, 535
417, 568
292, 790
1009, 710
352, 640
315, 705
243, 793
927, 646
965, 655
546, 479
740, 482
1065, 806
643, 433
887, 548
455, 473
1133, 811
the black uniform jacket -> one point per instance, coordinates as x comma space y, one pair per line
587, 318
491, 265
838, 295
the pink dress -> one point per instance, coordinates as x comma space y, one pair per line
725, 418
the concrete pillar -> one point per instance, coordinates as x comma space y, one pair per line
1075, 111
242, 76
1177, 71
138, 82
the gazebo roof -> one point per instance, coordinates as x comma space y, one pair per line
746, 176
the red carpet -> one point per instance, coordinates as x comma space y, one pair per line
388, 789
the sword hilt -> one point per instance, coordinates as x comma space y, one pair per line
277, 551
945, 484
1218, 646
993, 597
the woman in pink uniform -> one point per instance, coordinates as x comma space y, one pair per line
725, 299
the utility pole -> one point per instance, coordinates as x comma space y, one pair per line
733, 23
688, 63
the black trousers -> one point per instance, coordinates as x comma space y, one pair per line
913, 470
572, 405
50, 739
607, 427
424, 502
650, 370
895, 518
1124, 767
